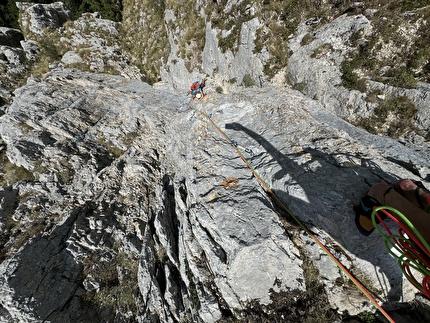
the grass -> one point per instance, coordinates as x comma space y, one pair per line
307, 39
397, 45
11, 173
248, 81
144, 36
322, 50
117, 292
393, 117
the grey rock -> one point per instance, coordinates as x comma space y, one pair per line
38, 17
12, 56
10, 37
321, 73
140, 207
30, 48
227, 65
71, 57
124, 202
419, 96
317, 67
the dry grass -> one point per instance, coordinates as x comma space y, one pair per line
230, 182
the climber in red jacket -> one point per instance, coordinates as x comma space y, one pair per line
196, 90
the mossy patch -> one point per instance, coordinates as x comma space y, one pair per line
393, 117
11, 173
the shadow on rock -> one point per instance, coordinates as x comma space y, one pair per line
320, 189
48, 278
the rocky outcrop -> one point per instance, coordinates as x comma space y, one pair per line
138, 209
40, 18
121, 201
50, 38
315, 67
230, 44
13, 61
315, 63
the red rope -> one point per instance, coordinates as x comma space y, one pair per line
322, 246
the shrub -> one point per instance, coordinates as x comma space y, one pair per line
322, 50
402, 77
402, 107
307, 39
403, 112
349, 77
301, 86
248, 81
13, 173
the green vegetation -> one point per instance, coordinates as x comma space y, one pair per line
349, 77
397, 52
219, 90
229, 22
300, 87
117, 291
393, 117
9, 14
279, 19
10, 173
248, 81
192, 288
367, 317
191, 27
144, 36
51, 50
307, 39
67, 172
109, 9
322, 50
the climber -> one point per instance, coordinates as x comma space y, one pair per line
409, 197
202, 86
196, 90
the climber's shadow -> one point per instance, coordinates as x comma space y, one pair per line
321, 191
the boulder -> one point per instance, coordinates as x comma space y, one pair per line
10, 37
38, 18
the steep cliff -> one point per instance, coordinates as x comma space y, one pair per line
129, 204
122, 201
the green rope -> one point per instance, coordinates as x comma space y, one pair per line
403, 259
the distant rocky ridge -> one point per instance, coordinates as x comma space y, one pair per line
122, 203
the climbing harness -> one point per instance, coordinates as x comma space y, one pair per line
285, 208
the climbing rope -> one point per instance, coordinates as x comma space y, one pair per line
408, 246
283, 206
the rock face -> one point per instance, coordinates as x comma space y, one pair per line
36, 18
125, 202
53, 39
140, 210
316, 66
